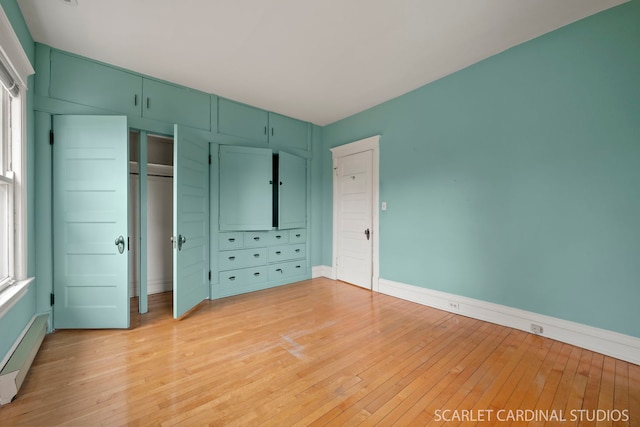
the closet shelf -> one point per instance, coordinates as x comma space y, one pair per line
152, 169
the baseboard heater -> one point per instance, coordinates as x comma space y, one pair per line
14, 372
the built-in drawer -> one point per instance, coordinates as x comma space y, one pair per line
230, 260
253, 239
298, 235
285, 270
278, 237
229, 241
243, 277
287, 252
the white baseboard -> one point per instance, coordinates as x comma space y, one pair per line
322, 271
153, 287
609, 343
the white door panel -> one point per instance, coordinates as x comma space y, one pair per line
355, 196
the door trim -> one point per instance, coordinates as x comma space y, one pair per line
368, 144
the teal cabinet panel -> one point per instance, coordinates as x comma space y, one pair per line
242, 120
86, 82
298, 236
227, 241
287, 132
278, 237
246, 181
286, 270
243, 277
243, 258
256, 238
287, 252
176, 104
292, 191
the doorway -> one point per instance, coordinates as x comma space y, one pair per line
355, 213
151, 262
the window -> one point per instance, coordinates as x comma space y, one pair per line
14, 71
6, 190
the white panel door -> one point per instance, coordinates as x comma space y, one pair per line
355, 224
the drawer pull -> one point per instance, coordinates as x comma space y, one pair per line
278, 237
232, 258
298, 250
256, 274
297, 235
256, 255
231, 239
278, 252
232, 278
256, 238
298, 266
280, 270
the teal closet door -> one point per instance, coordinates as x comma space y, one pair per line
190, 220
242, 120
90, 222
246, 195
292, 194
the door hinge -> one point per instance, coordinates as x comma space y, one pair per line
52, 299
50, 137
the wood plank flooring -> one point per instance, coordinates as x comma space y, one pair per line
319, 352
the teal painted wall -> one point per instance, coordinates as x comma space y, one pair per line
12, 323
315, 210
517, 180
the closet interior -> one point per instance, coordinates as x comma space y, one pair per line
159, 217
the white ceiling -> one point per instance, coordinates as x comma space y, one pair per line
316, 60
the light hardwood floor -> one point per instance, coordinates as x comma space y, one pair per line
319, 352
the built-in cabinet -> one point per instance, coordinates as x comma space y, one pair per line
292, 191
253, 260
246, 188
260, 189
254, 124
89, 83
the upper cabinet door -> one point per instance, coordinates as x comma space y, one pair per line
85, 82
292, 191
242, 120
176, 104
287, 132
246, 188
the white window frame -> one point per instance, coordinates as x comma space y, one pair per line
16, 62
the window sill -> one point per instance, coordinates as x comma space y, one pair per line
11, 295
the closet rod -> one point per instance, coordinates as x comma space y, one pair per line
152, 174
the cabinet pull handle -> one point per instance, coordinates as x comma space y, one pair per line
298, 266
256, 238
256, 274
297, 250
265, 130
232, 278
232, 239
278, 237
232, 258
278, 252
272, 132
256, 255
135, 99
148, 103
297, 235
280, 270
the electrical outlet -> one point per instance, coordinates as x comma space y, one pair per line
453, 306
536, 329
